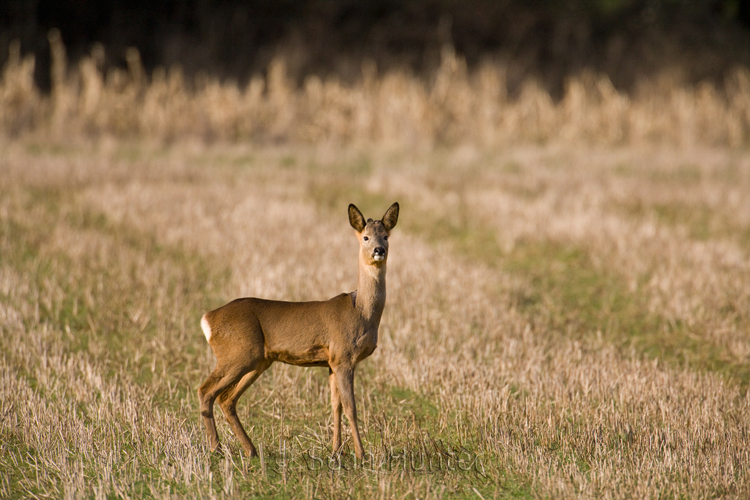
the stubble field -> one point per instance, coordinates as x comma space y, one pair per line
561, 322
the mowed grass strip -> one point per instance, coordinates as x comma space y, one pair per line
105, 283
563, 291
462, 366
99, 360
699, 221
107, 354
575, 309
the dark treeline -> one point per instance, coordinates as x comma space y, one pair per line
626, 39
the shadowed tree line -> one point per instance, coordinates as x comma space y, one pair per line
550, 40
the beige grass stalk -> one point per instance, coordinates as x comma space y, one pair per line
456, 106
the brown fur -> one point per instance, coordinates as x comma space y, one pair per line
248, 335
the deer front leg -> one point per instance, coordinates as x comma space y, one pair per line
336, 410
345, 378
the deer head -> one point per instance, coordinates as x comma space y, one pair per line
373, 234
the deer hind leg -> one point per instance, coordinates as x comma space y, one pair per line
336, 410
345, 378
215, 384
228, 402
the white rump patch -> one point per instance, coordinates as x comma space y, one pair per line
206, 328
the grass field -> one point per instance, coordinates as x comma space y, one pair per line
561, 322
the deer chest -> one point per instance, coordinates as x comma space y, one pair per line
366, 344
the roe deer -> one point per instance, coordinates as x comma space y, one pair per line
249, 334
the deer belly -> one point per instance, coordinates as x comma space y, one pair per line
312, 356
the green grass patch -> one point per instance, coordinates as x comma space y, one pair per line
700, 222
687, 173
414, 403
19, 477
573, 296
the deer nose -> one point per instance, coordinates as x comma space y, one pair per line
379, 251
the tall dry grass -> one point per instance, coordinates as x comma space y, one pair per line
395, 108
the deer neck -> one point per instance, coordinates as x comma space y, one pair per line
370, 299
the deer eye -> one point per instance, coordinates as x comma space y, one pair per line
385, 238
366, 238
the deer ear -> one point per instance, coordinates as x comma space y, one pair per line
391, 217
356, 219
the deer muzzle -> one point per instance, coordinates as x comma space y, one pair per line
378, 254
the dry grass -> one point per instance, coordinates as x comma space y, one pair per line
396, 108
560, 323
